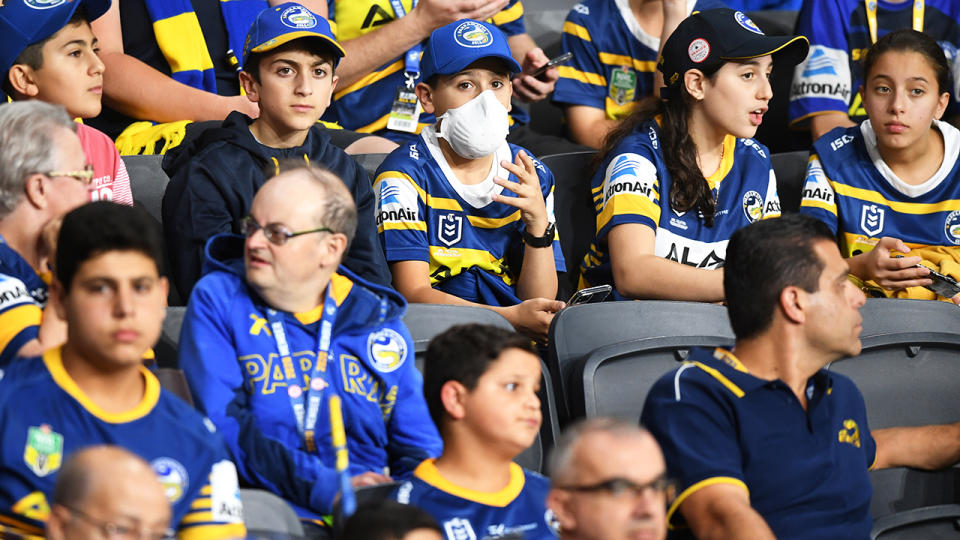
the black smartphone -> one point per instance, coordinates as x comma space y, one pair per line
565, 57
945, 286
590, 295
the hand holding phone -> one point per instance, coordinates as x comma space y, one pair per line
563, 58
590, 295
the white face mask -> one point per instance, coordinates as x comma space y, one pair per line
476, 128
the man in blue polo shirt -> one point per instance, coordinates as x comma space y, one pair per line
765, 443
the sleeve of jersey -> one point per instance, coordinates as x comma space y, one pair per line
771, 202
19, 318
365, 257
401, 214
412, 434
121, 182
582, 80
216, 512
819, 199
547, 186
628, 192
207, 357
822, 82
510, 19
696, 432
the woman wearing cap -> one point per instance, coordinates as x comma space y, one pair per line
680, 175
890, 185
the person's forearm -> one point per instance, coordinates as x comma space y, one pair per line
674, 12
370, 51
592, 133
538, 275
520, 45
651, 277
822, 123
924, 447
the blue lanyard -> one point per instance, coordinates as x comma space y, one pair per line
307, 414
411, 61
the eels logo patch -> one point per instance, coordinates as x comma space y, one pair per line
473, 35
172, 476
387, 350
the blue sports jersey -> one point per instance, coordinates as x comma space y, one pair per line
632, 185
614, 59
39, 434
473, 244
805, 471
23, 294
364, 106
829, 79
519, 508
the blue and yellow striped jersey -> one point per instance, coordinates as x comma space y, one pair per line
188, 456
473, 244
23, 293
364, 106
614, 59
632, 185
518, 509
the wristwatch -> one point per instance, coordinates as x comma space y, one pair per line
540, 241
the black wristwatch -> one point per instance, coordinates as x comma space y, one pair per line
540, 241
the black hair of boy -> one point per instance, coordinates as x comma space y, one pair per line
463, 353
386, 520
32, 56
99, 227
312, 45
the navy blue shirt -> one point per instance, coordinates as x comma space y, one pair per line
805, 471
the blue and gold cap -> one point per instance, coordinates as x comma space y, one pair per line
25, 22
282, 24
459, 44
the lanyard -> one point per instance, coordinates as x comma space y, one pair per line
411, 61
871, 6
306, 414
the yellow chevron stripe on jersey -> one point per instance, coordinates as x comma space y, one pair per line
464, 258
648, 66
628, 203
14, 320
493, 223
897, 206
370, 78
510, 14
576, 30
582, 76
213, 532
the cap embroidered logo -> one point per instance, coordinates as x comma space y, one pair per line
298, 17
745, 22
473, 35
42, 4
699, 50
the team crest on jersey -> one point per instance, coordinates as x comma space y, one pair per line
298, 17
42, 4
172, 476
473, 35
387, 350
951, 227
871, 219
451, 228
459, 528
850, 433
745, 22
43, 453
752, 206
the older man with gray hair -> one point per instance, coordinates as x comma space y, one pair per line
43, 175
609, 482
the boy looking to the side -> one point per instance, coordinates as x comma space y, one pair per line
464, 216
289, 63
480, 383
49, 53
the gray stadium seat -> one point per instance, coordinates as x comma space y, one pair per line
268, 517
166, 347
370, 163
931, 523
574, 210
173, 380
595, 348
791, 171
908, 373
147, 182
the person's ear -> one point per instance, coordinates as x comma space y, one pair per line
425, 95
453, 396
37, 190
558, 501
942, 103
250, 86
23, 80
334, 247
793, 303
695, 82
58, 297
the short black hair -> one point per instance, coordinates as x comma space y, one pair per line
313, 45
463, 353
33, 55
765, 257
99, 227
909, 40
386, 520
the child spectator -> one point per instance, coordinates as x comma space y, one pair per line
481, 385
49, 53
390, 520
289, 61
464, 216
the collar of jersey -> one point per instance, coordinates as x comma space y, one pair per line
151, 395
503, 153
341, 288
951, 152
427, 471
727, 369
726, 162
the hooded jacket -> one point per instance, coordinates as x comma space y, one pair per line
213, 181
229, 353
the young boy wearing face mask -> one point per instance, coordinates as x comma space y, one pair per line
465, 217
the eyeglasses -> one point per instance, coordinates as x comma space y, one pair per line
276, 234
620, 487
85, 176
114, 531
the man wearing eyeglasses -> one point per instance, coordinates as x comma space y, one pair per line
277, 326
43, 175
608, 482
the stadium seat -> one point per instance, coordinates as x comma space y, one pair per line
268, 517
597, 350
166, 348
174, 381
147, 182
791, 171
931, 523
908, 373
370, 163
574, 210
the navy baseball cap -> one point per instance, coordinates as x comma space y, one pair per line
459, 44
282, 24
706, 39
25, 22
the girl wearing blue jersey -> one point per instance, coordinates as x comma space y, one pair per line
679, 176
889, 186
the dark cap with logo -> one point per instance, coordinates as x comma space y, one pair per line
707, 39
